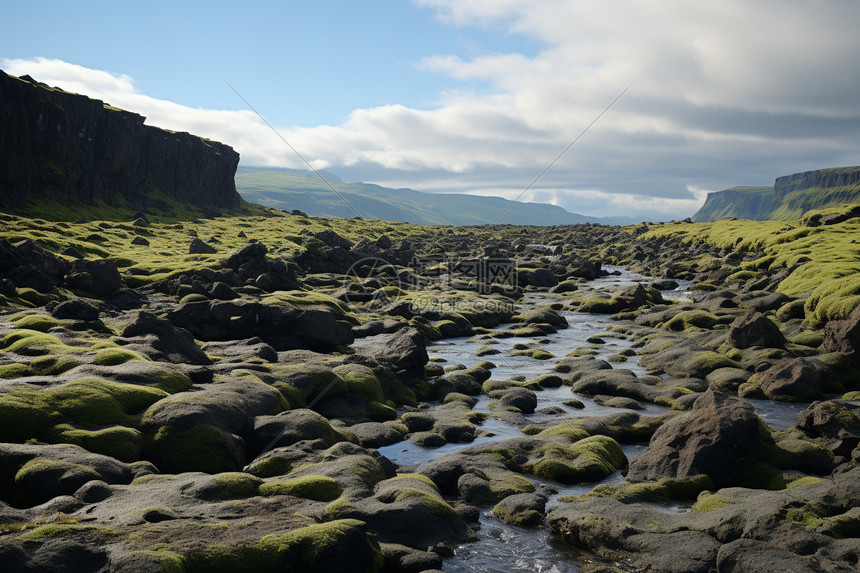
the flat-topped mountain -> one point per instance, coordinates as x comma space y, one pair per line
66, 155
789, 198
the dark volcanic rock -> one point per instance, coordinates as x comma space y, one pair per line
791, 379
833, 424
99, 277
72, 149
716, 438
844, 335
172, 344
755, 329
75, 309
198, 247
283, 327
27, 264
405, 349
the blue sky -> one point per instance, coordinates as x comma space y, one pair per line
478, 96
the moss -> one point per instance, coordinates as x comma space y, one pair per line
14, 370
509, 485
52, 365
691, 318
806, 518
38, 322
362, 380
589, 459
238, 484
272, 466
142, 480
318, 488
413, 476
118, 442
98, 402
34, 343
380, 412
664, 491
339, 507
534, 353
808, 480
711, 502
199, 448
115, 356
39, 465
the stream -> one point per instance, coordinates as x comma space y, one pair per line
511, 548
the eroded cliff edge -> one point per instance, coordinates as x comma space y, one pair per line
61, 150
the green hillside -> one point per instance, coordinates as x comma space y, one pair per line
292, 189
789, 198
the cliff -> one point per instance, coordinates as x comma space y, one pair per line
790, 197
61, 151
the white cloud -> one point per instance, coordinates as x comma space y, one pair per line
730, 92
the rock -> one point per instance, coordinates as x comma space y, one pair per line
525, 509
32, 474
403, 350
140, 241
755, 329
27, 264
844, 336
332, 239
792, 380
221, 291
834, 424
75, 309
522, 399
541, 278
99, 277
251, 350
665, 284
290, 427
743, 555
93, 492
282, 326
170, 343
542, 315
198, 247
718, 438
375, 434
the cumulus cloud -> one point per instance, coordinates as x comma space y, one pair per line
731, 92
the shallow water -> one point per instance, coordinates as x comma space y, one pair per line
502, 547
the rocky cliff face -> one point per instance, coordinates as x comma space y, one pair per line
790, 197
70, 149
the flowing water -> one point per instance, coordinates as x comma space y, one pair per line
502, 547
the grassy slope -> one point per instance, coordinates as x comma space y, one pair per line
289, 189
827, 257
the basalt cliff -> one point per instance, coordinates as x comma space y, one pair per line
62, 151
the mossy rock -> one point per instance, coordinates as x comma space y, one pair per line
711, 502
118, 442
238, 484
692, 318
38, 322
115, 356
380, 412
590, 459
315, 487
199, 448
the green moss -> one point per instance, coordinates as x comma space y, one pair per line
39, 465
590, 459
318, 488
114, 356
808, 480
339, 507
664, 491
199, 448
38, 322
806, 518
362, 380
711, 502
691, 318
98, 402
272, 466
118, 442
238, 484
534, 353
380, 412
14, 370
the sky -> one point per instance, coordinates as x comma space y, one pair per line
479, 96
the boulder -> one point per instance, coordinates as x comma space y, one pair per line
834, 424
75, 309
198, 247
403, 350
27, 264
170, 343
844, 336
792, 380
755, 329
717, 437
99, 277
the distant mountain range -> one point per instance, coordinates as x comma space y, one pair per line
789, 197
303, 190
